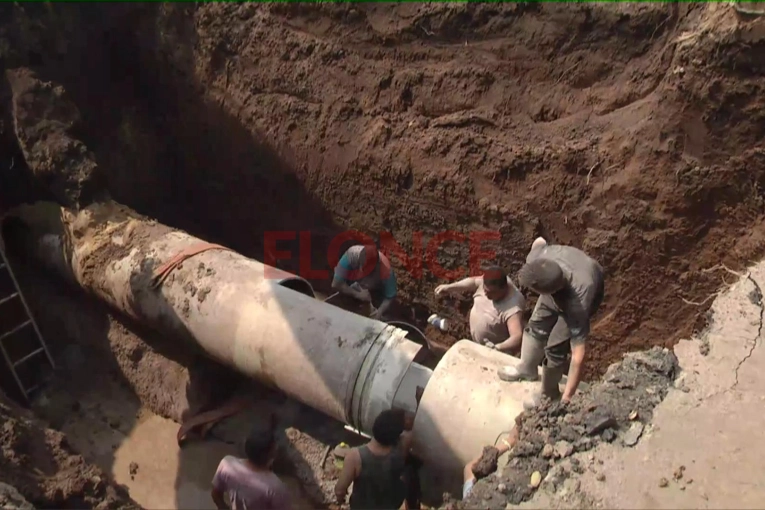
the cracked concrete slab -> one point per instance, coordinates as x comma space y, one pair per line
705, 440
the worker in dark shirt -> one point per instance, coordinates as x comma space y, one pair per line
377, 469
570, 285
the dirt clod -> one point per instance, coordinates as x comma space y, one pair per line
663, 482
487, 464
133, 469
563, 449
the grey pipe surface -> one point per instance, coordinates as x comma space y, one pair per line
236, 309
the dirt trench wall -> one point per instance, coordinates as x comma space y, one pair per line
628, 130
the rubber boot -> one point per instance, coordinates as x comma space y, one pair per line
550, 386
532, 352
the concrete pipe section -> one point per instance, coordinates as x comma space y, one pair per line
258, 320
464, 408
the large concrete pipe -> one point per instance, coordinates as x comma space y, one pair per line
465, 407
239, 311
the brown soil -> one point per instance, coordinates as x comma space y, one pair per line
39, 463
632, 134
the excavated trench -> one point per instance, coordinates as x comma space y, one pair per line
634, 136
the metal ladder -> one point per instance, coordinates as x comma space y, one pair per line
39, 348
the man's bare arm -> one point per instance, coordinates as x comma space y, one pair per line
469, 284
218, 499
347, 475
578, 354
513, 342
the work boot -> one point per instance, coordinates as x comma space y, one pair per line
532, 352
550, 386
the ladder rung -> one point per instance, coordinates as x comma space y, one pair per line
31, 389
17, 328
8, 298
28, 356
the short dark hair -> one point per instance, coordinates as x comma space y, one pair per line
388, 427
259, 445
495, 276
541, 275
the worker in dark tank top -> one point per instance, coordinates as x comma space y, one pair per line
376, 469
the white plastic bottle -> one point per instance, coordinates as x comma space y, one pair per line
438, 322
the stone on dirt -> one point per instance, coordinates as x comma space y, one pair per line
632, 435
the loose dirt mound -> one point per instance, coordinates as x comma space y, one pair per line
619, 407
38, 462
628, 130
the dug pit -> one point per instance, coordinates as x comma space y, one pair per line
628, 130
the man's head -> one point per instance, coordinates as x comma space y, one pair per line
388, 427
495, 283
542, 276
260, 446
369, 259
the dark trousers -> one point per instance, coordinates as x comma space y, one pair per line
558, 345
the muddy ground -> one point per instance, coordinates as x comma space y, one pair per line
41, 466
629, 130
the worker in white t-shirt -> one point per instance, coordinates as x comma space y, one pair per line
496, 316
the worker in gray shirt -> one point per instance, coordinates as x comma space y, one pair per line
570, 285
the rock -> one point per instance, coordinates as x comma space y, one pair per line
502, 488
563, 449
678, 474
548, 451
600, 477
663, 482
632, 436
608, 435
598, 421
536, 479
